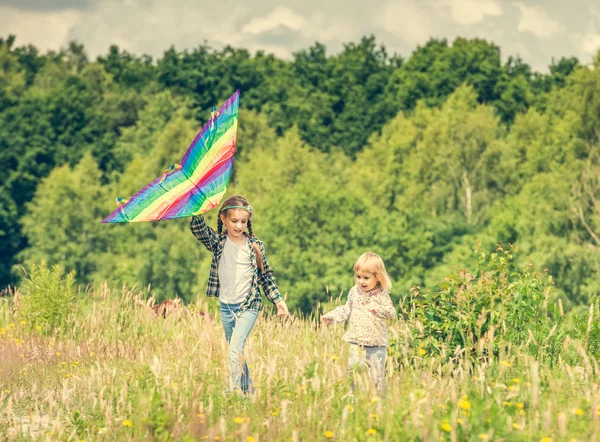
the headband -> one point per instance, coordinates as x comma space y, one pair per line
248, 208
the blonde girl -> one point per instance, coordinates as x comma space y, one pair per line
367, 307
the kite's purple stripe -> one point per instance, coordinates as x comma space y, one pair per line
215, 175
222, 110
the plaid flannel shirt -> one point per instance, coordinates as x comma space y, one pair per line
215, 243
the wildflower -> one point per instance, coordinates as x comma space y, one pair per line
239, 420
371, 431
275, 412
459, 421
516, 380
23, 322
11, 325
464, 403
505, 364
422, 352
350, 408
506, 404
513, 388
373, 415
517, 426
374, 400
483, 436
522, 412
546, 439
329, 434
475, 378
102, 430
38, 327
446, 427
127, 423
250, 439
579, 412
519, 405
57, 353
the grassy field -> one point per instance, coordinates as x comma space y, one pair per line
115, 371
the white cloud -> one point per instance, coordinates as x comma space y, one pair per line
280, 16
536, 21
45, 30
469, 12
591, 44
411, 21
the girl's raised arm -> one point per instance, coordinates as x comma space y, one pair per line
342, 312
205, 234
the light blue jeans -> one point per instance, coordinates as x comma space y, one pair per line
374, 359
237, 325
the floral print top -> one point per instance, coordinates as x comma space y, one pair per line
367, 312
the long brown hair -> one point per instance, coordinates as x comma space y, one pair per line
237, 200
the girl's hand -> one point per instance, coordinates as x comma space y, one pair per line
327, 321
282, 309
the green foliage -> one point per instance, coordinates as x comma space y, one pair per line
160, 422
48, 299
493, 307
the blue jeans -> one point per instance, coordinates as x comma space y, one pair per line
374, 359
237, 325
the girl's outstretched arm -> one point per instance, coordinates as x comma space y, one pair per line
205, 234
267, 280
383, 307
342, 312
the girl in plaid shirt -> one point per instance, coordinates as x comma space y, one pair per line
239, 265
368, 306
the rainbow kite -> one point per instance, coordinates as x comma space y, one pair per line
195, 186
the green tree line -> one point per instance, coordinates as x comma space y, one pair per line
418, 158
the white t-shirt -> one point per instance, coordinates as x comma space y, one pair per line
235, 272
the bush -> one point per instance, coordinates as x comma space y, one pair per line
478, 312
48, 298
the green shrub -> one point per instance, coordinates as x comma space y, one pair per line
48, 298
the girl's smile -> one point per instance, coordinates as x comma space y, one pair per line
366, 281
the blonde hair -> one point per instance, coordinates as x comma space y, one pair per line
372, 263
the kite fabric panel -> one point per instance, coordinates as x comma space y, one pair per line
197, 184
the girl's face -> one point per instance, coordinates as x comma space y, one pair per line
366, 280
235, 221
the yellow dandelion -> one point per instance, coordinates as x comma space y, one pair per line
506, 404
475, 378
505, 364
422, 352
464, 404
522, 412
2, 332
11, 325
239, 420
38, 327
579, 412
513, 388
483, 436
275, 412
446, 427
329, 434
350, 408
373, 415
517, 426
459, 421
23, 322
516, 380
250, 439
519, 405
371, 431
546, 439
57, 353
127, 423
374, 400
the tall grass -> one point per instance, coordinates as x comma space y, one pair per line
118, 372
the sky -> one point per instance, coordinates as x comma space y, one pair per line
536, 30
